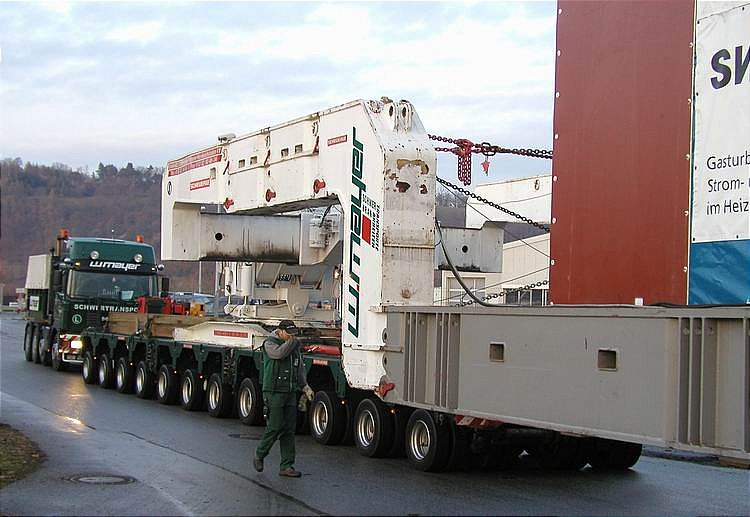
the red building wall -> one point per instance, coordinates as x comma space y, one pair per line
621, 186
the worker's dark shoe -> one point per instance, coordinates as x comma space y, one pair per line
258, 463
290, 473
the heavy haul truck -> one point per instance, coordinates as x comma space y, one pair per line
330, 220
77, 285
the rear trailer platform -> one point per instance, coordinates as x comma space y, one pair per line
671, 377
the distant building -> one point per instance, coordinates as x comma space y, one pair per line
526, 248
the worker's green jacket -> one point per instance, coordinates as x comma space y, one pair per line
283, 370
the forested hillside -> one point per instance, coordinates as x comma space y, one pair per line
37, 200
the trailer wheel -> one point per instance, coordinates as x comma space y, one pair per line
401, 416
561, 453
427, 442
503, 456
373, 428
167, 385
28, 340
124, 376
250, 402
35, 338
327, 418
191, 391
88, 371
614, 455
57, 363
218, 397
144, 381
461, 456
106, 377
45, 349
302, 425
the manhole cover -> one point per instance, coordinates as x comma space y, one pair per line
102, 479
247, 436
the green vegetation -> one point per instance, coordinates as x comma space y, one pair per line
37, 200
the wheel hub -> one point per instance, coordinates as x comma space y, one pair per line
420, 440
320, 419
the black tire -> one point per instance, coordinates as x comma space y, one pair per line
218, 397
192, 394
503, 456
28, 342
302, 426
250, 402
461, 456
561, 453
613, 455
57, 363
144, 381
36, 337
401, 416
427, 442
349, 409
327, 418
45, 350
167, 385
124, 376
105, 371
373, 428
88, 368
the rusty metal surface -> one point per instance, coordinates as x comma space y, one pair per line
622, 133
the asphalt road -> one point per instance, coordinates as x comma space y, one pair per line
191, 464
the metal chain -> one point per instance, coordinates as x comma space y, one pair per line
493, 205
504, 293
464, 148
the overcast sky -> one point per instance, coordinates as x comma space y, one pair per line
147, 82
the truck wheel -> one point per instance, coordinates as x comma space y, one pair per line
106, 376
373, 428
35, 345
561, 453
44, 348
57, 363
461, 456
144, 381
124, 376
250, 402
612, 454
502, 456
427, 442
302, 426
88, 372
327, 418
218, 397
167, 385
191, 391
28, 342
401, 416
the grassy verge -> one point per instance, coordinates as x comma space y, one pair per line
19, 456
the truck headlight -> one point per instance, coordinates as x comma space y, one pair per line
76, 344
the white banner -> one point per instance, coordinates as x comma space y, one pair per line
721, 159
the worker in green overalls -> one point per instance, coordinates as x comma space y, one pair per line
283, 375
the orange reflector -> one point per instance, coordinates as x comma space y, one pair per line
139, 238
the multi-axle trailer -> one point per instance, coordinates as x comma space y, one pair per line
330, 221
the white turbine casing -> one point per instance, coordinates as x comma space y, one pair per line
373, 158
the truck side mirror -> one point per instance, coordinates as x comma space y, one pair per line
164, 286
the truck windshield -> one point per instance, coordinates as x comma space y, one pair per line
110, 286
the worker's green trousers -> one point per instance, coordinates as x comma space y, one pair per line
280, 424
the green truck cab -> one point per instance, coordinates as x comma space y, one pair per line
75, 286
